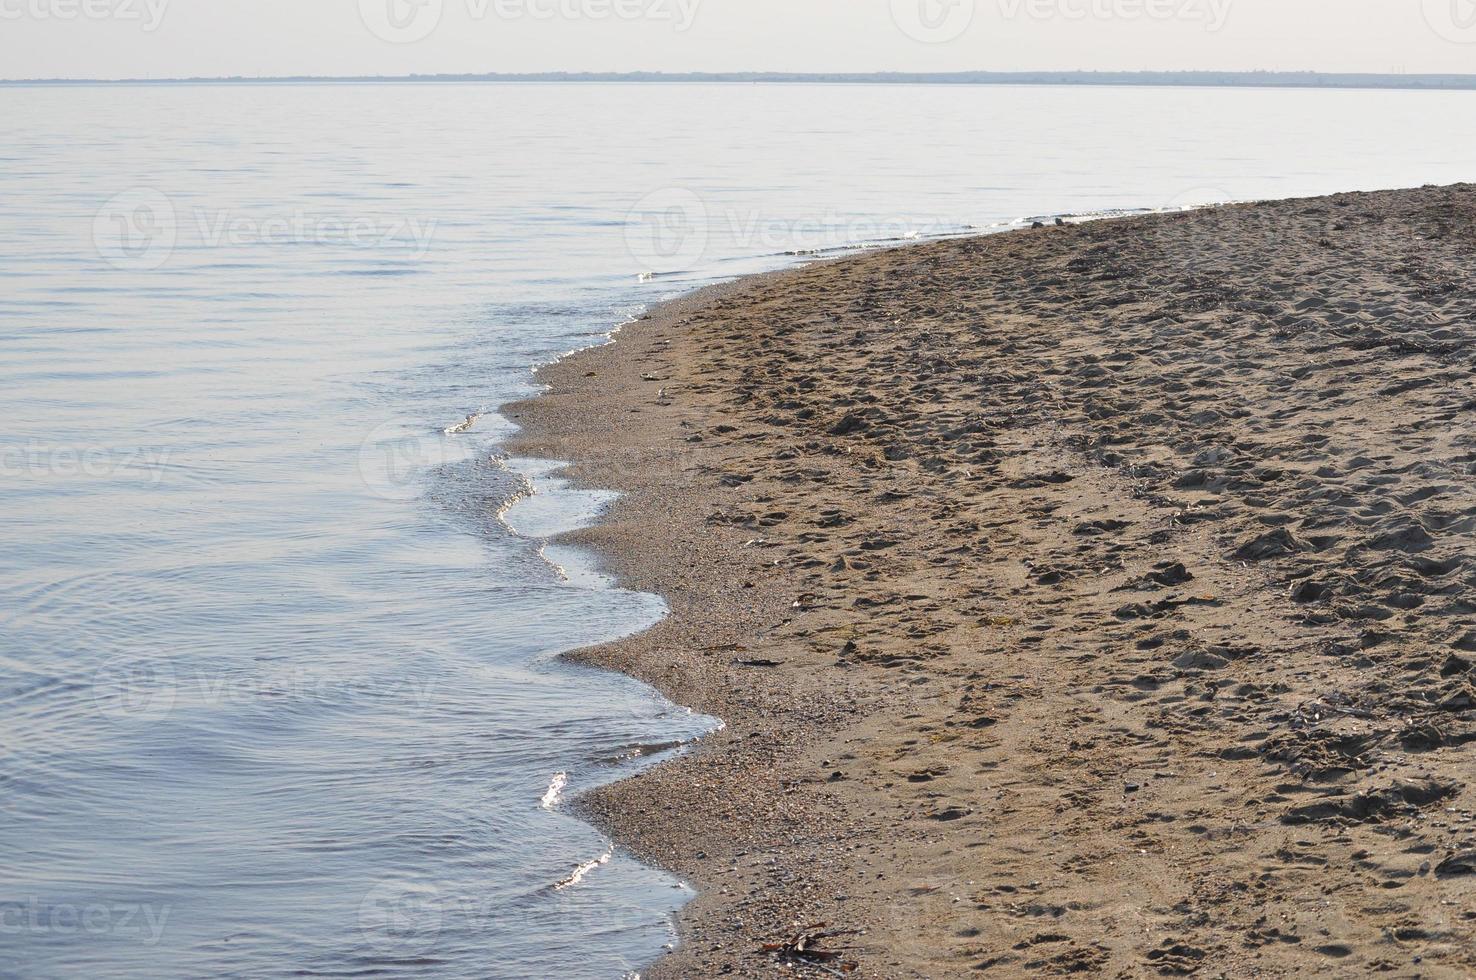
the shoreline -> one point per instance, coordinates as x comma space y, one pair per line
1057, 623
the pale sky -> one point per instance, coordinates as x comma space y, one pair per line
113, 38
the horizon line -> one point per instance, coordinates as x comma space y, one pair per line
1253, 78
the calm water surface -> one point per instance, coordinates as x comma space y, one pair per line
278, 680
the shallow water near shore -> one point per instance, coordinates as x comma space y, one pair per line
279, 687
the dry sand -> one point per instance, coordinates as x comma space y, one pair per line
1086, 600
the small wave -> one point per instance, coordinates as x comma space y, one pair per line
555, 790
584, 869
524, 490
641, 751
377, 273
559, 569
466, 426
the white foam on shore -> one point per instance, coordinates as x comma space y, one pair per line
584, 869
555, 790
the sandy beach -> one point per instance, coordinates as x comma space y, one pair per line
1091, 599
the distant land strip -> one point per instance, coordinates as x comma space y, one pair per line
1199, 79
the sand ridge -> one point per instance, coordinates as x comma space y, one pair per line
1084, 600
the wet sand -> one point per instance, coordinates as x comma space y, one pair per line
1092, 600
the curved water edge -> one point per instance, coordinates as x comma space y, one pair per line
546, 506
549, 507
278, 683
